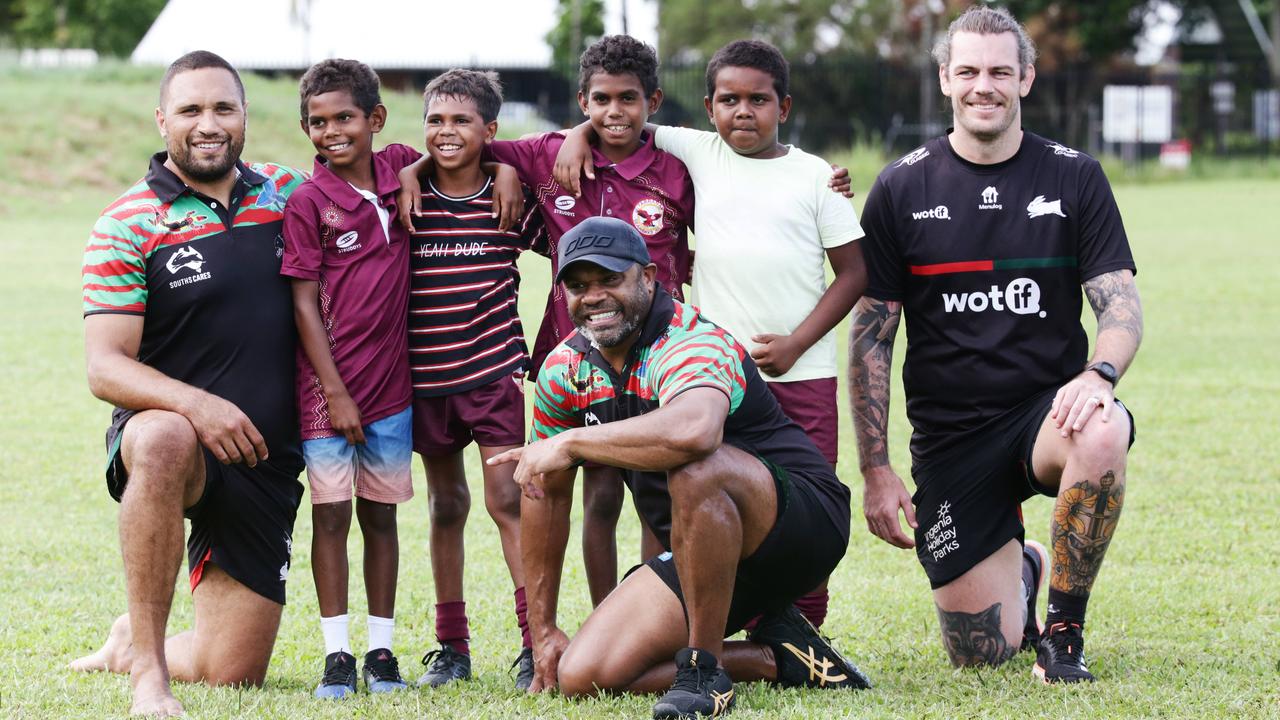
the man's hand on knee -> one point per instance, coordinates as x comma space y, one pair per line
226, 430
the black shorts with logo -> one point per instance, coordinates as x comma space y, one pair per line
243, 522
799, 552
969, 495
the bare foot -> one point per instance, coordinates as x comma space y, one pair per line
115, 655
152, 696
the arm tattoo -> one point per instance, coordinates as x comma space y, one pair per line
1115, 302
975, 638
875, 324
1084, 519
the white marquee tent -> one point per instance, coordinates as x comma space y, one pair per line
386, 34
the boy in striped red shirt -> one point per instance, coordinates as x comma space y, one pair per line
467, 352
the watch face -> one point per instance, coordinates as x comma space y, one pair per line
1106, 370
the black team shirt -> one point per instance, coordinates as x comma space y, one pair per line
988, 261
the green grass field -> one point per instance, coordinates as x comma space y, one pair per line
1184, 622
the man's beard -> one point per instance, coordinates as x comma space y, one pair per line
207, 170
632, 309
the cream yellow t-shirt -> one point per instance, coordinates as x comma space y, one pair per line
762, 228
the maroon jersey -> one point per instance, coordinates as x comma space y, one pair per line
334, 235
651, 190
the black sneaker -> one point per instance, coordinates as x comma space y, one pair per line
701, 689
1035, 554
523, 666
805, 658
1060, 655
445, 666
339, 679
382, 672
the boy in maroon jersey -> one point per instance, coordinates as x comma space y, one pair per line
349, 265
467, 352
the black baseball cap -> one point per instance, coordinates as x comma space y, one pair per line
608, 242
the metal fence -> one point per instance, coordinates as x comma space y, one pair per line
1220, 108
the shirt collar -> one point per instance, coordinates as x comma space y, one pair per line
167, 186
385, 182
638, 162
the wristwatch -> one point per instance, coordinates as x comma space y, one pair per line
1106, 370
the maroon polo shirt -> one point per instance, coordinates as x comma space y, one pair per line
651, 190
333, 235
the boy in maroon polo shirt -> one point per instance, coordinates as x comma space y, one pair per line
350, 268
637, 183
467, 353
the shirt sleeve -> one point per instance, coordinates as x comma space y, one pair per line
553, 398
837, 220
533, 231
880, 248
705, 359
686, 144
1104, 246
115, 269
303, 252
526, 156
399, 156
291, 180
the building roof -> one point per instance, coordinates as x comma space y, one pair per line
385, 34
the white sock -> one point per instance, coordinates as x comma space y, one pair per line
380, 629
335, 632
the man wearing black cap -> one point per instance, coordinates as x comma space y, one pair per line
750, 512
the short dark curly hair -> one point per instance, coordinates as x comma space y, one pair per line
618, 55
197, 60
337, 74
756, 54
481, 87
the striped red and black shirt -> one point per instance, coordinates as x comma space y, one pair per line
464, 328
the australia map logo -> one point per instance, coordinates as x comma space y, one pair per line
185, 257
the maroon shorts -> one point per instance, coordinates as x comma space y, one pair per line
492, 415
812, 405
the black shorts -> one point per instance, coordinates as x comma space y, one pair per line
801, 550
968, 497
243, 522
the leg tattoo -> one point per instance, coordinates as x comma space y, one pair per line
1084, 519
975, 638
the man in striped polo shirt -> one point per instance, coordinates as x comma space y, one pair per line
466, 351
189, 333
750, 513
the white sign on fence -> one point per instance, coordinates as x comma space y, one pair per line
1266, 114
1137, 113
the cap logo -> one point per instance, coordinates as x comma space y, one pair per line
588, 241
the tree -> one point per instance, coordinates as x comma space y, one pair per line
691, 30
578, 24
112, 27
